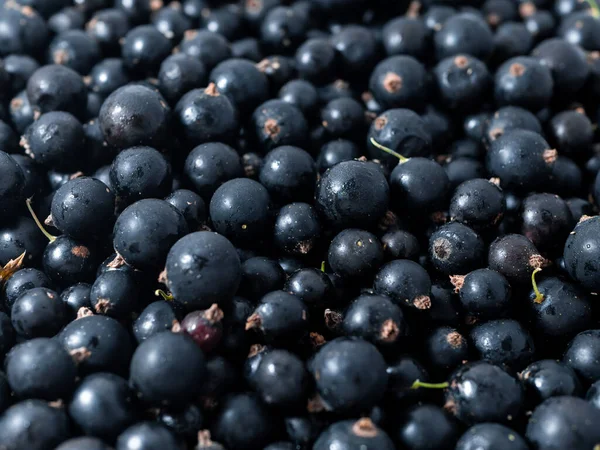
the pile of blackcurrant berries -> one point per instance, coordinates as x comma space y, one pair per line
299, 225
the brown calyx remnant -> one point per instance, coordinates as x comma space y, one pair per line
584, 218
365, 428
49, 221
362, 159
442, 248
389, 219
550, 155
380, 122
461, 61
204, 439
538, 262
211, 90
527, 9
103, 306
304, 247
315, 404
81, 251
438, 217
254, 321
450, 406
271, 128
60, 56
162, 277
333, 319
214, 313
190, 34
493, 19
78, 174
414, 9
389, 331
392, 82
495, 133
471, 320
16, 103
455, 339
84, 312
80, 354
458, 282
176, 326
119, 261
155, 5
11, 267
255, 349
516, 69
316, 339
495, 180
422, 302
254, 5
25, 144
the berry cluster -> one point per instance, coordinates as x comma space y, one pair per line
299, 225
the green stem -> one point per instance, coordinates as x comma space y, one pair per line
389, 151
323, 266
159, 292
594, 7
420, 384
37, 221
539, 297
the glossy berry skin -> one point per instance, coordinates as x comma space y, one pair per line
12, 185
489, 436
455, 248
67, 261
203, 268
399, 82
510, 118
302, 94
400, 244
289, 174
341, 384
312, 286
140, 172
260, 275
414, 430
582, 355
33, 424
106, 339
167, 369
40, 368
57, 88
210, 165
477, 203
297, 228
22, 281
406, 36
521, 159
75, 297
358, 203
56, 139
205, 46
558, 54
503, 342
281, 380
523, 81
563, 422
565, 310
406, 282
205, 115
462, 82
110, 393
485, 294
549, 378
547, 221
155, 318
83, 208
204, 327
514, 256
179, 74
335, 152
144, 48
19, 69
401, 130
316, 61
134, 115
243, 421
107, 76
495, 395
580, 254
89, 443
239, 210
355, 253
375, 318
276, 123
19, 235
244, 84
350, 435
115, 293
464, 33
76, 50
280, 317
419, 184
146, 230
147, 435
190, 205
184, 423
38, 313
